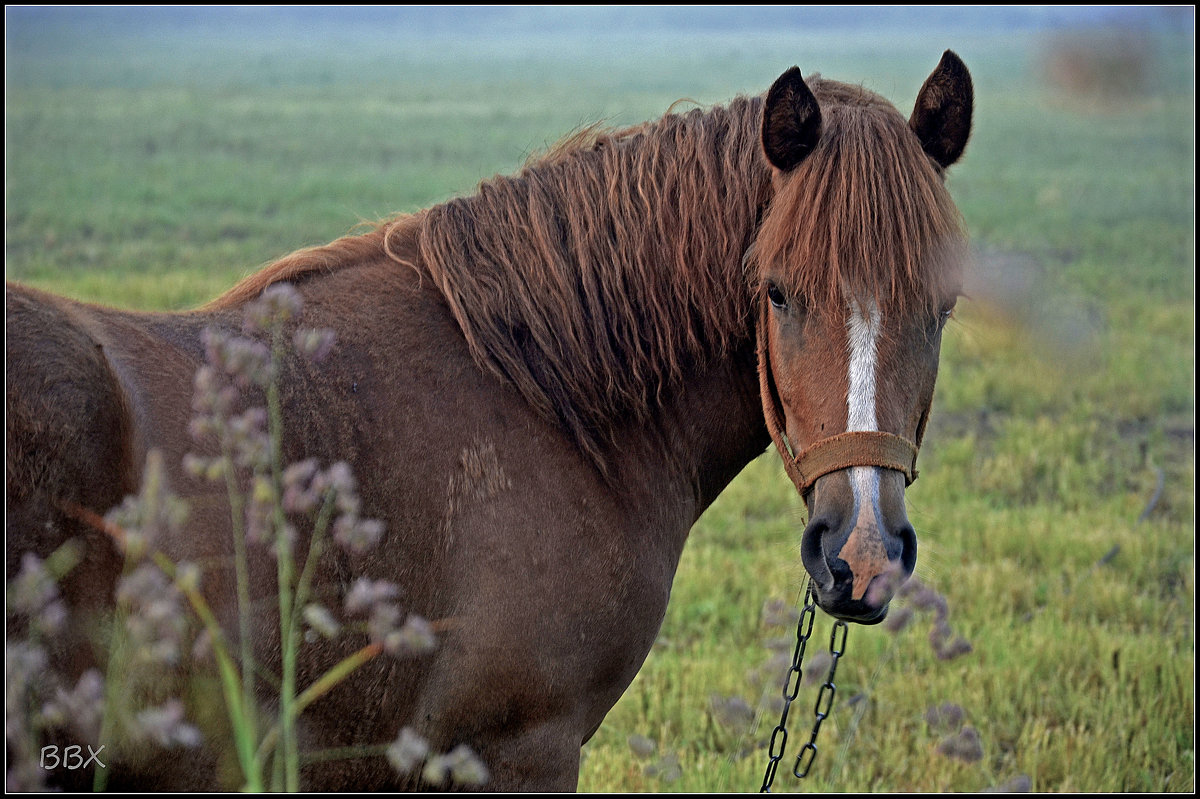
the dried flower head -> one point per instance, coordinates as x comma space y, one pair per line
408, 751
366, 593
81, 708
357, 536
642, 747
946, 716
278, 304
964, 745
460, 766
1021, 783
732, 712
321, 620
33, 594
165, 726
150, 515
155, 620
313, 344
778, 613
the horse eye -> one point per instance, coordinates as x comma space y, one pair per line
776, 296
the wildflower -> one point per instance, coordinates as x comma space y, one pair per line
948, 649
885, 585
299, 495
1021, 783
206, 385
465, 767
165, 726
152, 513
232, 363
777, 613
667, 769
732, 712
964, 745
321, 620
315, 345
408, 751
460, 765
24, 665
156, 622
357, 536
187, 576
366, 593
196, 465
202, 648
34, 593
817, 668
384, 619
898, 619
782, 646
260, 515
925, 598
248, 362
946, 716
642, 746
945, 644
341, 479
249, 439
82, 707
33, 586
278, 304
414, 638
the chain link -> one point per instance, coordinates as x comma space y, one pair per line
791, 687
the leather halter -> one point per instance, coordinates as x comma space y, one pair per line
841, 451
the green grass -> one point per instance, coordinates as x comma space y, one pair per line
152, 171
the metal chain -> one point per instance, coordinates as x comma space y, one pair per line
791, 687
837, 646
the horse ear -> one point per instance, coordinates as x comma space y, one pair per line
791, 121
942, 116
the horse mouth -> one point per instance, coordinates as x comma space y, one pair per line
857, 612
860, 611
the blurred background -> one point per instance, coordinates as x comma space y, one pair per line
153, 156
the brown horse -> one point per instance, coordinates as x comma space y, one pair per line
541, 387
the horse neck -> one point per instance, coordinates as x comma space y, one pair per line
701, 437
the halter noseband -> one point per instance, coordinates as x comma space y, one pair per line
855, 448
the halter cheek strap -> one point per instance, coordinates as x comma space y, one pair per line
855, 448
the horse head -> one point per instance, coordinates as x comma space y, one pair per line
857, 263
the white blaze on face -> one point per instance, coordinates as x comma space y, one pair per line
863, 329
864, 339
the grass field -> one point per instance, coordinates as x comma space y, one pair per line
152, 161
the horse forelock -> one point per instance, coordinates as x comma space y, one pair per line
596, 276
866, 212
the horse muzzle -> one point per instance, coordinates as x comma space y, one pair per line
858, 547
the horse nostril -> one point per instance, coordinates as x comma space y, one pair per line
812, 553
908, 548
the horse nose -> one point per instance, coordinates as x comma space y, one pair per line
857, 560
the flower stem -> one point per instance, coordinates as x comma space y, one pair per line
289, 639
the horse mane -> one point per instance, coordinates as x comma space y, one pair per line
304, 263
595, 277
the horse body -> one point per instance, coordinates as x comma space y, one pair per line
536, 516
553, 579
